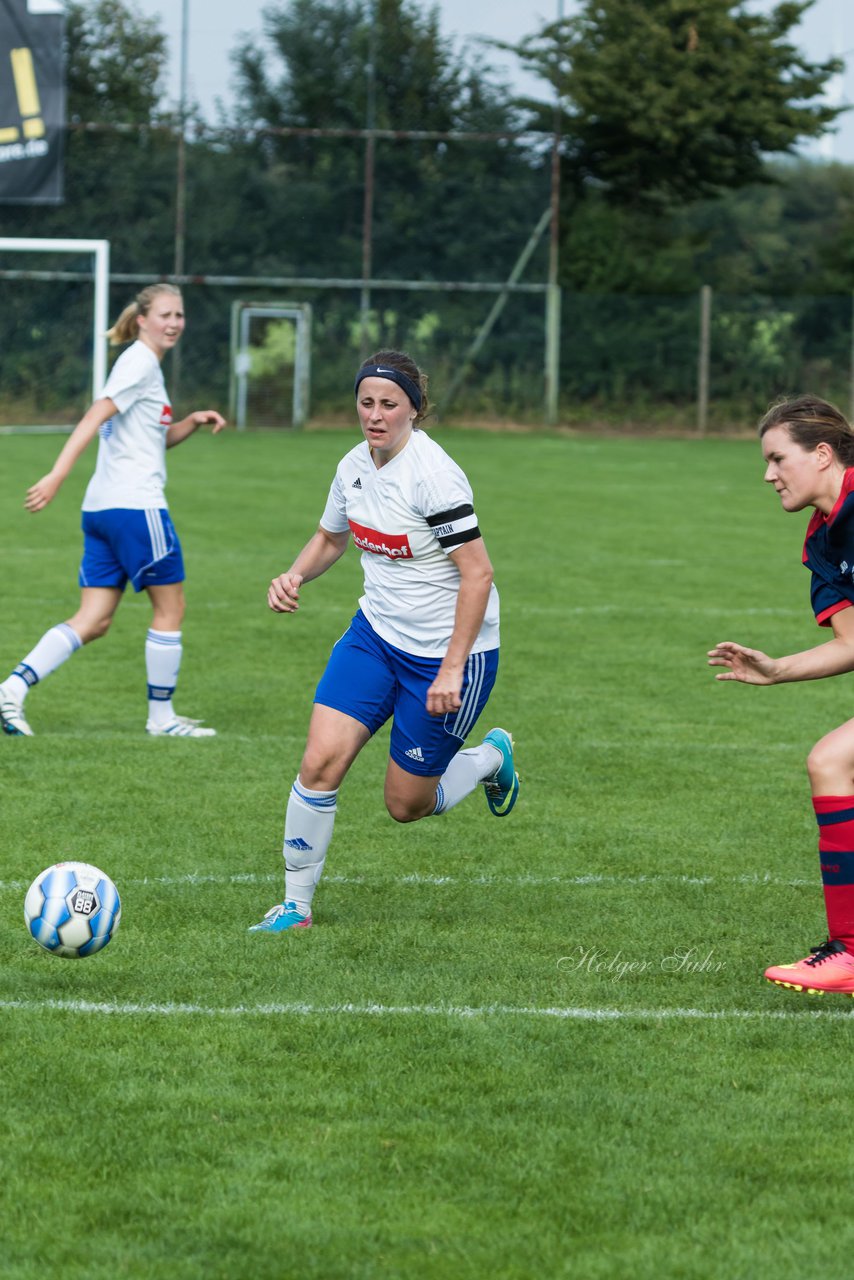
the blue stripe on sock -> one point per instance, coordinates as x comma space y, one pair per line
161, 638
70, 635
831, 819
159, 693
316, 802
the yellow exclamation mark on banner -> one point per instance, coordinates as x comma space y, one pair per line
9, 133
28, 92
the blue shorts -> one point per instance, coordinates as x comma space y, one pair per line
372, 681
123, 545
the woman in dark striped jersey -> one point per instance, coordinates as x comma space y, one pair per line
809, 453
422, 649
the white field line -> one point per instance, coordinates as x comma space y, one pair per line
455, 1012
482, 881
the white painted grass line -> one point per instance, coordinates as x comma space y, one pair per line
481, 881
457, 1012
591, 610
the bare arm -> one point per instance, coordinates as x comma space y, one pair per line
475, 582
319, 554
46, 489
180, 431
751, 666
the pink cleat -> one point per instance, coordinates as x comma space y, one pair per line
827, 968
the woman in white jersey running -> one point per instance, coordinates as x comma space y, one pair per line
422, 649
128, 534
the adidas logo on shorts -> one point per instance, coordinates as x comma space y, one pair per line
415, 753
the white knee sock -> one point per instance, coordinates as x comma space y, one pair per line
467, 769
162, 663
55, 647
308, 830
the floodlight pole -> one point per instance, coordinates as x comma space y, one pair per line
703, 359
181, 185
368, 205
181, 180
553, 291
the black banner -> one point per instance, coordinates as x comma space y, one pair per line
32, 101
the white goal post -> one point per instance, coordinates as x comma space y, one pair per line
100, 252
240, 361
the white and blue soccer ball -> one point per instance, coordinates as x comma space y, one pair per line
72, 910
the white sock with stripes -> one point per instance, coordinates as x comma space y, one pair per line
308, 830
163, 652
465, 772
55, 647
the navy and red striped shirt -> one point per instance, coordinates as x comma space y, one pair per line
829, 555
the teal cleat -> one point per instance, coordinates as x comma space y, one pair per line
283, 916
503, 787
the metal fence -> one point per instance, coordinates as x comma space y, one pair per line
699, 362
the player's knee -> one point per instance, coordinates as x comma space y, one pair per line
403, 810
320, 771
400, 812
825, 761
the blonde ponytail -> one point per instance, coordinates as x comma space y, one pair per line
125, 329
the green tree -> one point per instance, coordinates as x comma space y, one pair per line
443, 208
665, 101
115, 62
327, 65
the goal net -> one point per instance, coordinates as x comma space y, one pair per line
270, 364
52, 329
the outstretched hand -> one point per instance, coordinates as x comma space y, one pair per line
205, 417
750, 666
42, 492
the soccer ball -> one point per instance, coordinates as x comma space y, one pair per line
72, 909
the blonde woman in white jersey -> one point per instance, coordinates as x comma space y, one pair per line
127, 531
422, 650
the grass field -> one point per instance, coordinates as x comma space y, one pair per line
540, 1047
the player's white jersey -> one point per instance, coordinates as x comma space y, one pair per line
406, 517
131, 466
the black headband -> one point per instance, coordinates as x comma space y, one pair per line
394, 375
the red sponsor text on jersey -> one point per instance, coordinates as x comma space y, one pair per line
394, 545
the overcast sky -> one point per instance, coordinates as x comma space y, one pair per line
214, 26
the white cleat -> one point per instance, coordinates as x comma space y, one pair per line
179, 727
12, 718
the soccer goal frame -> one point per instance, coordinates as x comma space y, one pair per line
99, 250
242, 314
